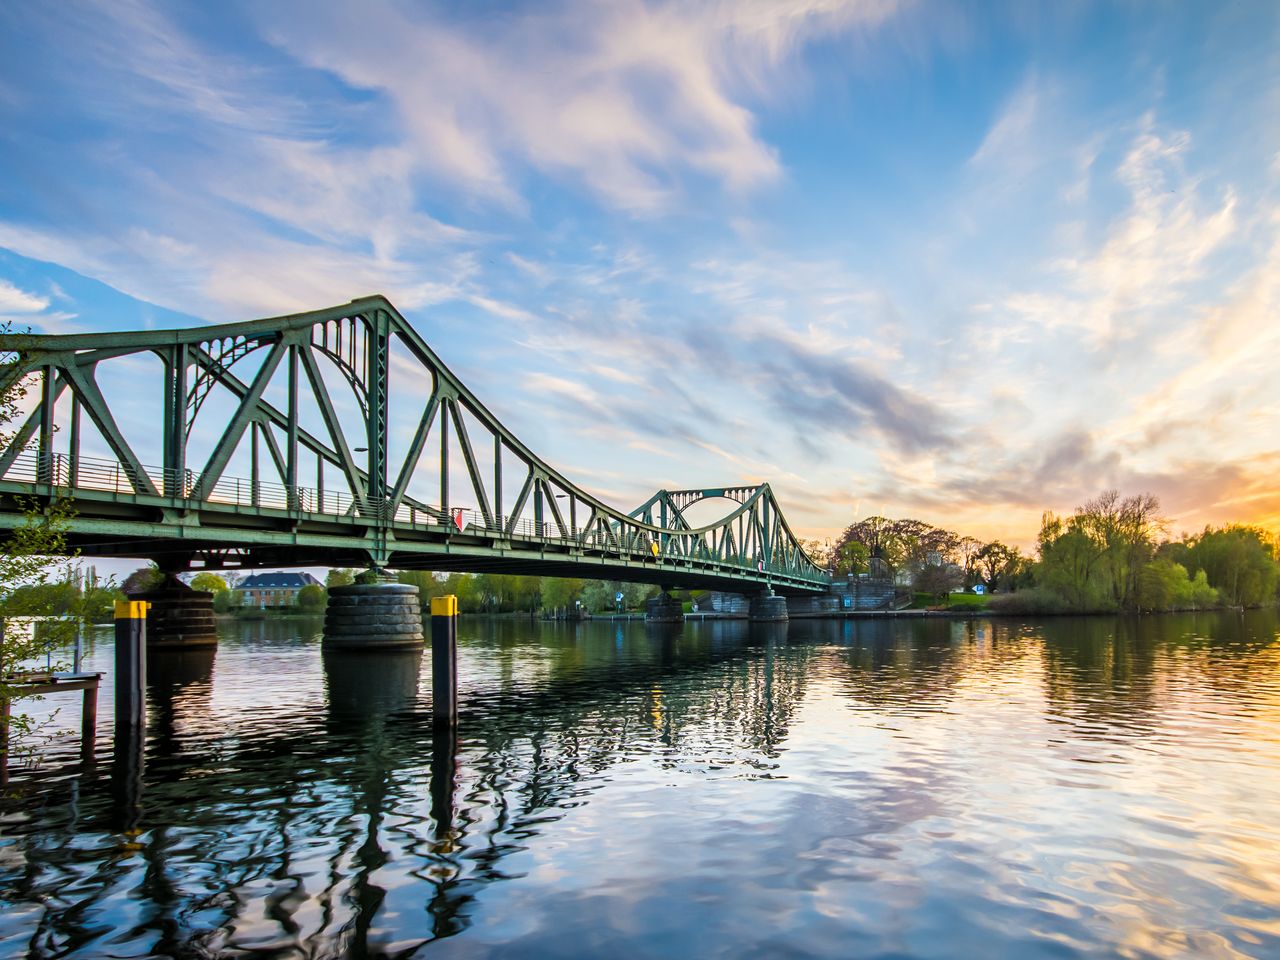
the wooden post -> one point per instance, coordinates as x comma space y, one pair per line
89, 722
4, 741
444, 660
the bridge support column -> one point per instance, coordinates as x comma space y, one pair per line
373, 616
663, 608
178, 616
768, 607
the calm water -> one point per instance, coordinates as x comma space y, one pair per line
1087, 787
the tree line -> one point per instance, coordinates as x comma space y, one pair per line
1112, 554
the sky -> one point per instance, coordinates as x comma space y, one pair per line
960, 262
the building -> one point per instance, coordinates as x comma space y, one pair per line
276, 589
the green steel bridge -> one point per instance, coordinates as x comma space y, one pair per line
404, 467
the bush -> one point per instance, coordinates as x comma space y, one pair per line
1037, 600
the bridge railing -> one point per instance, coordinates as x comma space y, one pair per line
105, 476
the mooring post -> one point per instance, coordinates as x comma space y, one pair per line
89, 722
444, 660
131, 664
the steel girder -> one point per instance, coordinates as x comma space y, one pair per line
196, 510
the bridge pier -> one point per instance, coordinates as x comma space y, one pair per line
768, 607
663, 608
373, 616
178, 616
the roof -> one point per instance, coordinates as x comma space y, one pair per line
261, 581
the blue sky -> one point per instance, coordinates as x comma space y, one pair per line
963, 262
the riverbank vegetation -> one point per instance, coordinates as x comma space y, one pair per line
1112, 554
505, 593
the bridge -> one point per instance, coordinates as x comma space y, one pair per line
315, 395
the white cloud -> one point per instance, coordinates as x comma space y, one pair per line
1150, 254
17, 301
624, 98
1010, 142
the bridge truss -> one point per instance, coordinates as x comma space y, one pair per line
304, 466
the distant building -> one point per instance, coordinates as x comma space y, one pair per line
277, 589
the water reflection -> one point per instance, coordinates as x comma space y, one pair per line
870, 786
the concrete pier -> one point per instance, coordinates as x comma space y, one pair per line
178, 616
663, 608
768, 607
373, 616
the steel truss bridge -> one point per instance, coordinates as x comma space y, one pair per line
405, 468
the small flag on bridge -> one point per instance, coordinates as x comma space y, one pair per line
457, 518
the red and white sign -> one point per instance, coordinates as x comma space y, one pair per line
457, 518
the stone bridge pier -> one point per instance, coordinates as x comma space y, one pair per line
664, 608
179, 617
373, 616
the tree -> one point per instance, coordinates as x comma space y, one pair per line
1124, 531
560, 592
1069, 560
208, 582
1165, 585
141, 580
29, 562
228, 601
852, 557
967, 556
312, 598
338, 577
1239, 561
993, 563
938, 580
597, 595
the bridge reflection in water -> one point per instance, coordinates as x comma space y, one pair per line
294, 803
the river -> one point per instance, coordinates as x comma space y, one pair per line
1094, 787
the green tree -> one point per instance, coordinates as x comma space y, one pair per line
28, 567
1124, 529
994, 563
1069, 563
312, 598
141, 580
560, 592
597, 595
851, 557
1239, 561
29, 561
338, 577
1165, 585
208, 582
228, 601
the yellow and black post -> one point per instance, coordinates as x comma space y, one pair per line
444, 660
131, 664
